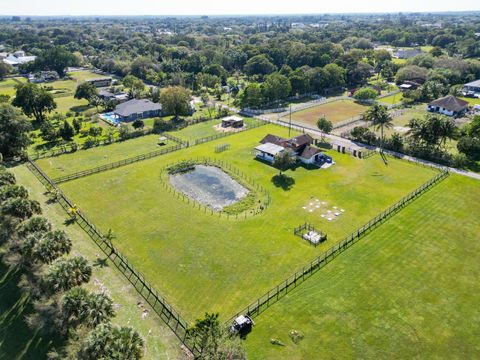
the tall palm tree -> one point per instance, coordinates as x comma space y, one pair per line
79, 307
111, 342
381, 119
99, 309
448, 130
51, 246
65, 274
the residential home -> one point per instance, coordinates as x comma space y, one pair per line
301, 146
449, 105
18, 58
406, 54
137, 109
100, 82
43, 76
106, 94
472, 89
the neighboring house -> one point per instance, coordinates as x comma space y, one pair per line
449, 105
108, 95
137, 109
18, 58
232, 121
43, 76
100, 82
406, 54
272, 145
409, 85
472, 89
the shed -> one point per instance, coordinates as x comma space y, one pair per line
232, 121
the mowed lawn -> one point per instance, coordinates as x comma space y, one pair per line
335, 111
391, 99
201, 262
205, 129
7, 86
100, 155
408, 290
17, 341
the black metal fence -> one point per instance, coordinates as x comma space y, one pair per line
72, 146
161, 307
117, 164
246, 180
269, 298
300, 231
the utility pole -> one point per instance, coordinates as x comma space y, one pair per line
290, 126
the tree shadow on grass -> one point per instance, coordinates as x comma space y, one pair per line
80, 108
101, 263
283, 181
17, 340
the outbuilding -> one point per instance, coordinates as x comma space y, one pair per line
232, 121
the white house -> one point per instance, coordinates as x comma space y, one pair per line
268, 151
300, 146
472, 89
449, 105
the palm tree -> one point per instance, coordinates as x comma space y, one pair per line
65, 274
51, 246
448, 130
381, 119
79, 307
99, 309
109, 342
108, 239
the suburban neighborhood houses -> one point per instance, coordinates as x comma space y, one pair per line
233, 181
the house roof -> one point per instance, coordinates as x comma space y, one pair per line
136, 106
450, 103
309, 151
475, 83
272, 139
301, 140
269, 148
233, 118
408, 53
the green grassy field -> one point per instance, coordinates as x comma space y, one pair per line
335, 111
215, 264
408, 290
471, 101
391, 99
7, 86
86, 159
17, 341
204, 129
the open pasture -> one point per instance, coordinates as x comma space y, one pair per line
335, 111
407, 290
219, 264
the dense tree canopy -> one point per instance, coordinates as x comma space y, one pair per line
14, 131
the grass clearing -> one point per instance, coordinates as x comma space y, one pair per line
100, 155
204, 129
391, 99
160, 341
221, 265
408, 290
335, 111
471, 101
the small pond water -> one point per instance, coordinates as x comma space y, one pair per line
210, 186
